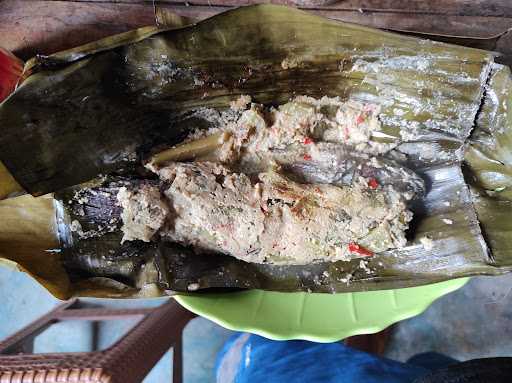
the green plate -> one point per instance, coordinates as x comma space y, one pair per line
315, 317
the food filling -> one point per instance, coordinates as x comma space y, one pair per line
306, 182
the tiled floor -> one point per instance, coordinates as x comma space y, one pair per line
475, 321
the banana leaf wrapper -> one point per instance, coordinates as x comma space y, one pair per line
102, 110
488, 165
79, 115
451, 196
91, 253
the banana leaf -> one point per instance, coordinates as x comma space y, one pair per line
101, 109
79, 115
488, 162
90, 251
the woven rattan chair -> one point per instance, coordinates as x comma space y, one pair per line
128, 360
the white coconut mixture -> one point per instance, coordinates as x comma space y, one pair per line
239, 201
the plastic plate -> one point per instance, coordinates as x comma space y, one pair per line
315, 317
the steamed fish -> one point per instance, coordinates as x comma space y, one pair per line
303, 183
270, 220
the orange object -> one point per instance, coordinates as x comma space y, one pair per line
11, 69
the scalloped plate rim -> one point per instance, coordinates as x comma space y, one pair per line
267, 330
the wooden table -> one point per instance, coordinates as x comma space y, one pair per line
28, 27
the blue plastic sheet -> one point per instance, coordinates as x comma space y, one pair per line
248, 358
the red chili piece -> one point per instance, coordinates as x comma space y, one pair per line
373, 183
307, 157
308, 141
355, 248
360, 119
